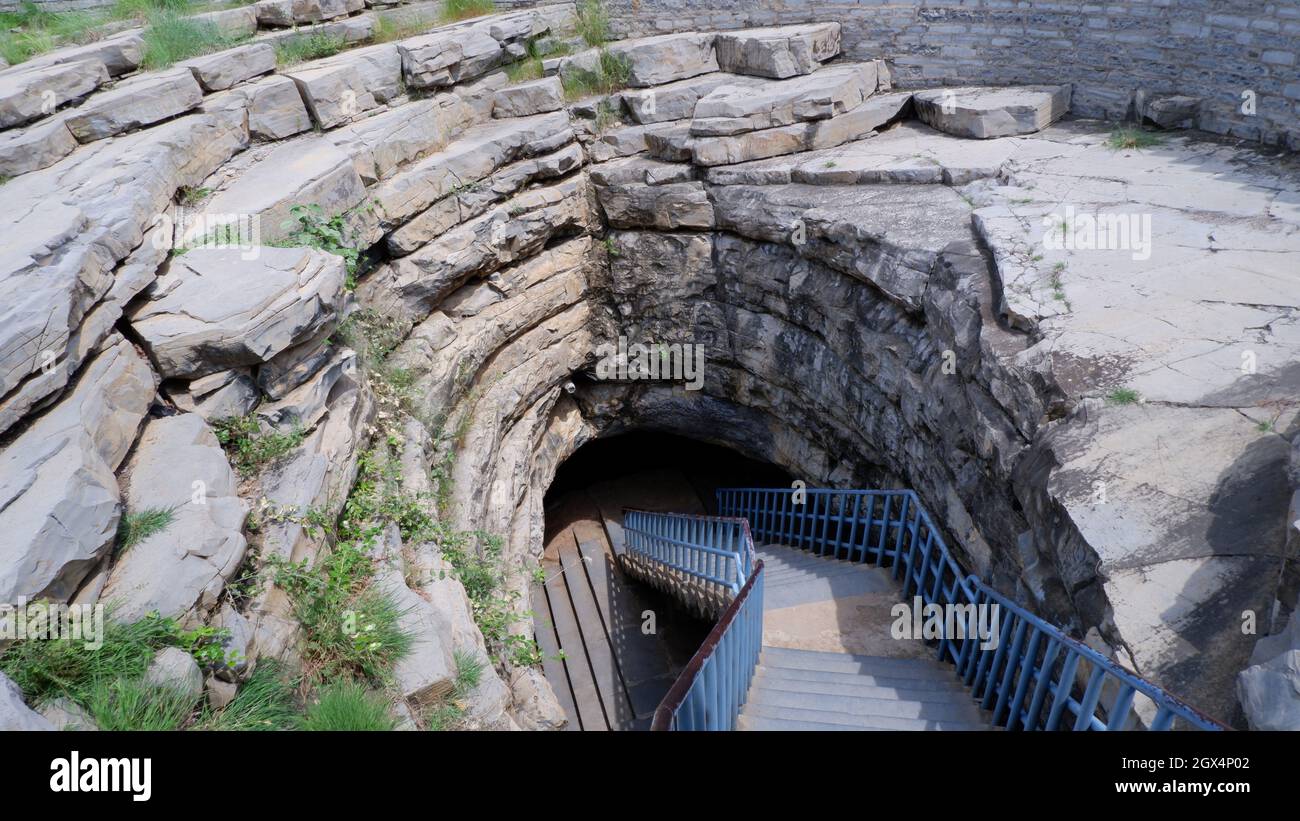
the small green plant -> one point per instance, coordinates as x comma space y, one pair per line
191, 196
249, 447
611, 247
1123, 396
346, 705
136, 526
610, 73
310, 227
1125, 137
1264, 427
171, 37
315, 44
48, 669
349, 627
593, 22
453, 10
264, 702
131, 704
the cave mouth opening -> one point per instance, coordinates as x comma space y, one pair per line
612, 646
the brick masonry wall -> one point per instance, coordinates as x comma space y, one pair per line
1217, 50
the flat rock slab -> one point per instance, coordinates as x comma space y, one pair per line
736, 109
276, 109
676, 100
858, 122
179, 466
37, 146
120, 53
981, 112
215, 310
911, 153
135, 103
59, 499
307, 171
662, 59
27, 93
523, 100
222, 70
778, 52
334, 94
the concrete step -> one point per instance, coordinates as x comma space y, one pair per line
939, 706
767, 717
791, 659
849, 685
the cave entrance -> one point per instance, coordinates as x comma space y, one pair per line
612, 646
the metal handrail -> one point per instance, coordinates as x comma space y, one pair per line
714, 549
1031, 677
710, 691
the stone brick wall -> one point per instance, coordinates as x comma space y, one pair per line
57, 5
1227, 52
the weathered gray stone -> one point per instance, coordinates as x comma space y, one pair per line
626, 141
14, 713
27, 92
218, 395
305, 405
236, 22
523, 100
676, 101
225, 68
666, 207
379, 67
428, 672
1269, 689
174, 669
1168, 110
216, 310
308, 171
334, 94
37, 146
66, 714
179, 466
238, 636
220, 693
58, 495
135, 103
657, 60
736, 109
292, 12
381, 144
460, 206
778, 52
276, 109
120, 53
992, 112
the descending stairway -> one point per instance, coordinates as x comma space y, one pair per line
817, 690
899, 687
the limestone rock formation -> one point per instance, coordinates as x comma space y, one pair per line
778, 52
1270, 688
174, 669
216, 310
16, 715
177, 466
992, 112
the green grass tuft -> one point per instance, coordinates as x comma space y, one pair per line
593, 22
171, 37
248, 446
48, 669
453, 10
136, 526
131, 704
1123, 396
264, 702
611, 74
347, 706
314, 45
1125, 137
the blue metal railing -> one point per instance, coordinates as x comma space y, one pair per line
714, 550
713, 687
1033, 677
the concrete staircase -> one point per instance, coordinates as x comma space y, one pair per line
816, 690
